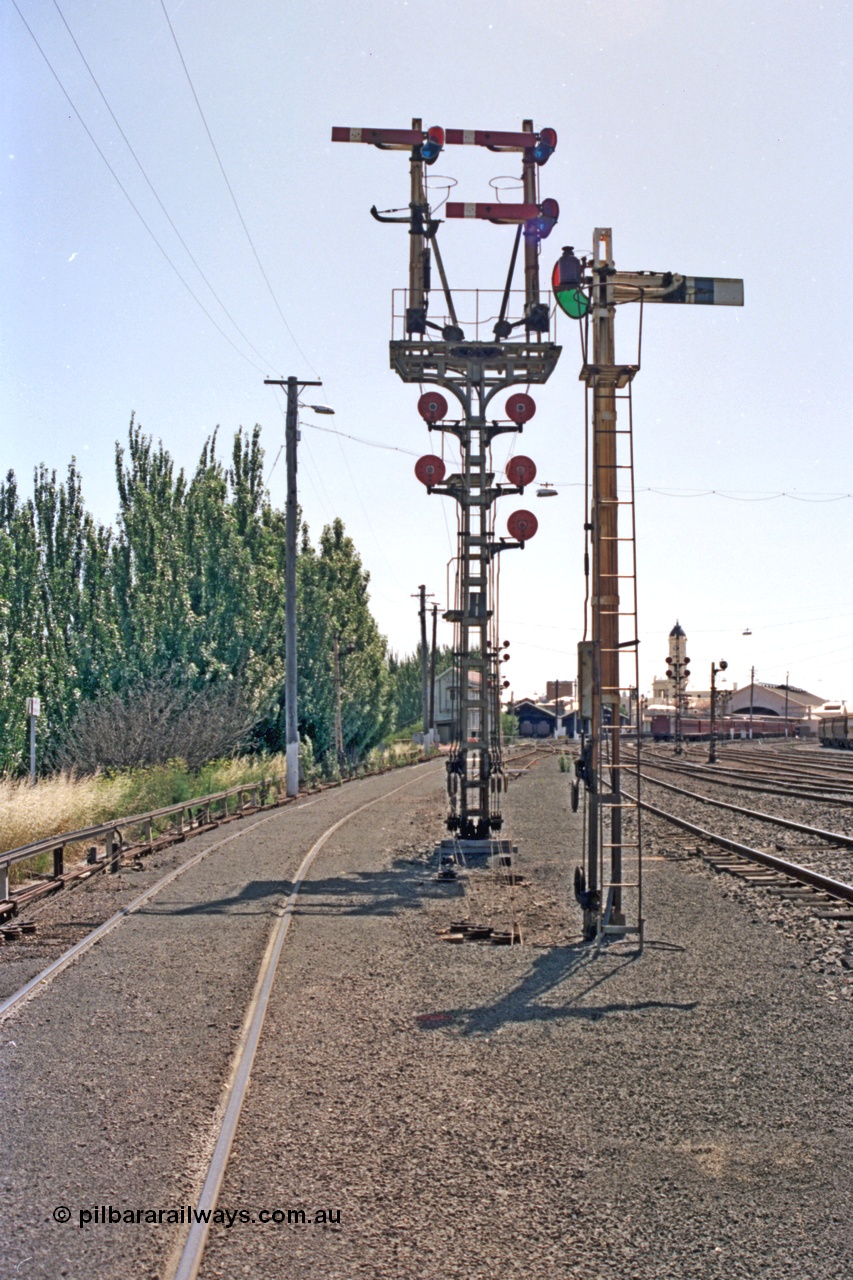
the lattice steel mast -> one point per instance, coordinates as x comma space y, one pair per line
474, 370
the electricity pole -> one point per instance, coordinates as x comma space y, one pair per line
751, 698
432, 670
422, 596
787, 678
292, 516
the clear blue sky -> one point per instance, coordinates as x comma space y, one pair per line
712, 137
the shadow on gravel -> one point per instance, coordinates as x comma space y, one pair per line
527, 1002
402, 887
258, 897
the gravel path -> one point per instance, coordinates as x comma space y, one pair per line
541, 1111
112, 1076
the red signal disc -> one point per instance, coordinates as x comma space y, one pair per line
432, 406
522, 525
520, 407
550, 209
521, 470
548, 136
430, 469
436, 134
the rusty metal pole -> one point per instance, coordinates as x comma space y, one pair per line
416, 242
531, 245
605, 598
432, 658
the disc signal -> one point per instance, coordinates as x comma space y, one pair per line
521, 471
522, 525
432, 406
430, 470
520, 408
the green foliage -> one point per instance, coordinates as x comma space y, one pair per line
509, 726
188, 590
407, 684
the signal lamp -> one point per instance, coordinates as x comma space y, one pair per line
521, 471
566, 283
432, 147
522, 525
545, 145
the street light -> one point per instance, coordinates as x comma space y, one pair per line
318, 408
712, 751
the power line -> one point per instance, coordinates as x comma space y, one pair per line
231, 191
734, 495
153, 191
129, 198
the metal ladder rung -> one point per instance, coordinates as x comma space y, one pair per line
619, 844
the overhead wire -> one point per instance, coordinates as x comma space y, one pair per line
226, 179
128, 197
153, 190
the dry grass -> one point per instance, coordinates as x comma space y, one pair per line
68, 803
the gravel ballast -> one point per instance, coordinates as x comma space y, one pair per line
542, 1111
469, 1110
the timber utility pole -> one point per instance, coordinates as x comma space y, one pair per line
506, 342
293, 386
589, 291
425, 712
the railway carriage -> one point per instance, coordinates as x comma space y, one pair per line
834, 731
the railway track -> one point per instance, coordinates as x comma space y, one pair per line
828, 896
238, 1075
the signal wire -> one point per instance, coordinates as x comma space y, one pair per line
129, 198
231, 192
151, 188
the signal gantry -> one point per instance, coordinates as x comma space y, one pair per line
432, 347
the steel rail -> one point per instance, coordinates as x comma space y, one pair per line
732, 780
238, 1082
789, 768
62, 962
764, 772
836, 837
835, 888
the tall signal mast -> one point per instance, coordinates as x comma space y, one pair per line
431, 346
609, 886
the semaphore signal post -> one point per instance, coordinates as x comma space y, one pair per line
474, 361
610, 884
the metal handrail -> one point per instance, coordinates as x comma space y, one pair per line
56, 843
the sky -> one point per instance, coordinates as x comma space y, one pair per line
711, 137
